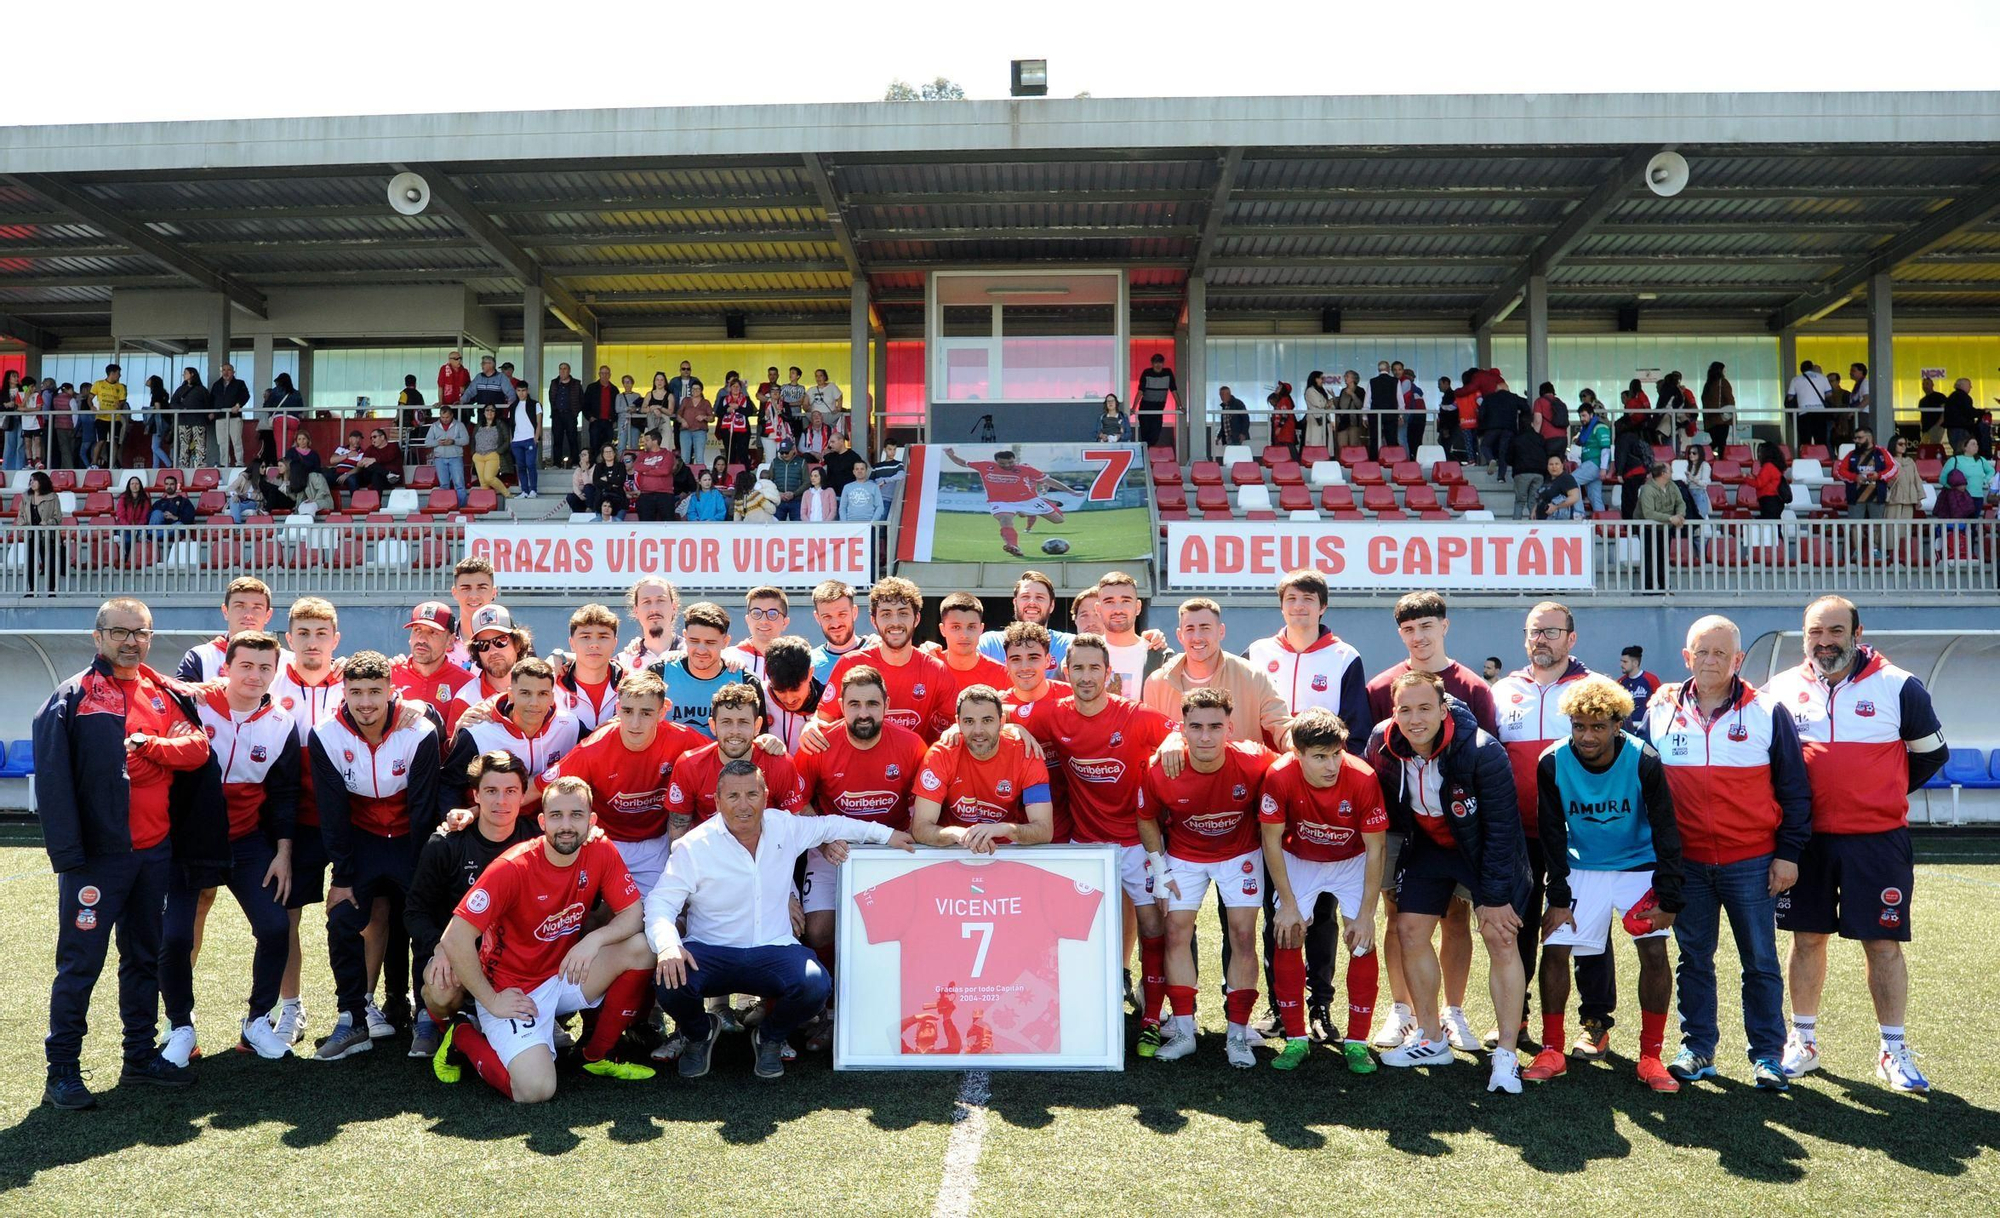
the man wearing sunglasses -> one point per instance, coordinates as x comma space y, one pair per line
114, 833
453, 377
495, 646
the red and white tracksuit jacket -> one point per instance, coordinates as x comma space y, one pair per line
260, 760
1868, 741
1739, 779
1529, 723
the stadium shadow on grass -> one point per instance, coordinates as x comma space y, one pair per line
314, 1102
1561, 1127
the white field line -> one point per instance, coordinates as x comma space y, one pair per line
961, 1154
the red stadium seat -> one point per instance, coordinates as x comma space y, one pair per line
205, 480
1832, 499
1337, 498
1663, 452
1391, 454
1915, 552
63, 479
1378, 499
1392, 513
1739, 453
1746, 499
98, 503
1171, 497
1406, 473
1448, 473
1930, 469
481, 500
1206, 473
1294, 499
212, 503
95, 480
442, 499
1349, 515
1246, 473
1179, 513
1369, 473
1288, 473
1718, 500
1353, 454
347, 552
1261, 514
1464, 499
1730, 472
421, 477
1816, 452
1274, 453
1211, 499
1166, 475
1422, 498
1438, 514
365, 501
160, 477
1818, 552
1312, 453
1683, 553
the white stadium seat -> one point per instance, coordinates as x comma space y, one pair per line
1233, 453
1254, 498
1327, 473
403, 501
1808, 472
1429, 455
1303, 515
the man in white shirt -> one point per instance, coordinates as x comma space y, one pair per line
1132, 659
1807, 394
732, 876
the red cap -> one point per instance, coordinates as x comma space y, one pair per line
433, 613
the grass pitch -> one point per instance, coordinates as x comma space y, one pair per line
377, 1134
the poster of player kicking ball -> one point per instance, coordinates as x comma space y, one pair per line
950, 959
1039, 502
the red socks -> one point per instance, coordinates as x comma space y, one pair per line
1288, 985
1652, 1032
1553, 1036
1009, 535
626, 999
1153, 973
469, 1040
1182, 996
1240, 1004
1364, 980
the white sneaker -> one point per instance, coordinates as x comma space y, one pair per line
264, 1040
290, 1021
1458, 1033
1506, 1074
1801, 1056
1898, 1068
378, 1023
1177, 1045
1239, 1051
1395, 1029
179, 1045
1420, 1050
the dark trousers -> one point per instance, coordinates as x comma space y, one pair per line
1718, 436
656, 505
379, 867
788, 976
1770, 507
788, 509
602, 432
1740, 890
1813, 426
1494, 446
1413, 434
1596, 976
1150, 420
566, 441
1448, 437
44, 560
1654, 543
127, 896
270, 928
1628, 497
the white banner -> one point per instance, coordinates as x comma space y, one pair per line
612, 555
1363, 556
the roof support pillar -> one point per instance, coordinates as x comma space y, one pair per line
305, 377
534, 307
1193, 395
1482, 347
1788, 367
861, 405
263, 370
219, 309
586, 359
1881, 416
33, 370
1538, 335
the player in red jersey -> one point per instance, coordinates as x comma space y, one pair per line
866, 772
736, 715
961, 622
1013, 489
920, 697
1030, 692
516, 944
427, 674
1197, 827
1324, 829
627, 764
1101, 744
982, 787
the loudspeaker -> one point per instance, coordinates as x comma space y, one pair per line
1329, 320
1628, 319
1667, 174
409, 193
736, 325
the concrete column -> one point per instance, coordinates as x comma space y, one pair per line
219, 316
1193, 374
533, 310
860, 409
878, 396
1881, 358
305, 377
1788, 367
33, 354
263, 366
1482, 347
1538, 335
588, 358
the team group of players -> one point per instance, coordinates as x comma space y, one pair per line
493, 822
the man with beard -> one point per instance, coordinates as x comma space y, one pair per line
736, 715
516, 945
833, 609
920, 686
525, 722
497, 645
696, 673
653, 603
982, 788
1034, 601
427, 674
1870, 737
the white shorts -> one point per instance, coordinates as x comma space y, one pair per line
510, 1038
1026, 507
1239, 882
822, 887
1594, 896
646, 860
1135, 873
1343, 879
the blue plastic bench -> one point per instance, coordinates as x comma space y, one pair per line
20, 761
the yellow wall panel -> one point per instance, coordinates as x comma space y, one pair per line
713, 361
1974, 356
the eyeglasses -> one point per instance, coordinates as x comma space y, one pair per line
482, 646
765, 615
127, 634
1548, 634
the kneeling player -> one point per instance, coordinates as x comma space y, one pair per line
531, 905
1210, 815
1609, 833
1324, 832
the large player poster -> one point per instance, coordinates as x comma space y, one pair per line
950, 959
993, 502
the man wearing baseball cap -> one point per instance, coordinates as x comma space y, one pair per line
426, 673
495, 643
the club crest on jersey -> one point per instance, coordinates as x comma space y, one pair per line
1738, 732
1892, 896
1271, 667
892, 770
287, 702
1346, 809
259, 753
1319, 682
1865, 709
1117, 738
347, 754
917, 691
1239, 791
582, 878
1004, 788
209, 729
398, 768
86, 919
159, 704
1891, 917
